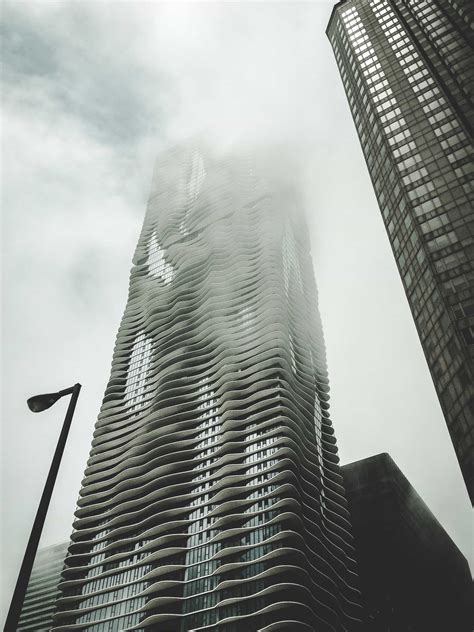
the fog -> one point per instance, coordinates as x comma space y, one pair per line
94, 91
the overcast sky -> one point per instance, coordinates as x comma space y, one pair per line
94, 92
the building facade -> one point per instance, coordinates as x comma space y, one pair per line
406, 66
413, 578
40, 598
213, 500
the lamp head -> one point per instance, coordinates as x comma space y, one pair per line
38, 403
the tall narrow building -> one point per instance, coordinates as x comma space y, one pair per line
42, 592
406, 66
213, 499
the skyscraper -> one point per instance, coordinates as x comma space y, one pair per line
212, 499
406, 66
412, 575
39, 604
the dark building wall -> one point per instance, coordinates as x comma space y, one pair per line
406, 72
413, 577
40, 599
443, 34
213, 499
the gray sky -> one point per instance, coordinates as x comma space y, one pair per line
94, 91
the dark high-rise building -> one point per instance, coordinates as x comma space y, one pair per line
413, 578
406, 66
39, 604
213, 499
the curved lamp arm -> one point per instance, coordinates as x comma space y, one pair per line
37, 404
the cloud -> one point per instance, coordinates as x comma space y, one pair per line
93, 92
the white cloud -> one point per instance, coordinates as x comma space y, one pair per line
94, 92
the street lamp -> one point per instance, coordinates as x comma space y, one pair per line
37, 404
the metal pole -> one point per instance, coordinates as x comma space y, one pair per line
11, 623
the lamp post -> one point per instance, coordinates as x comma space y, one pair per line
37, 404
